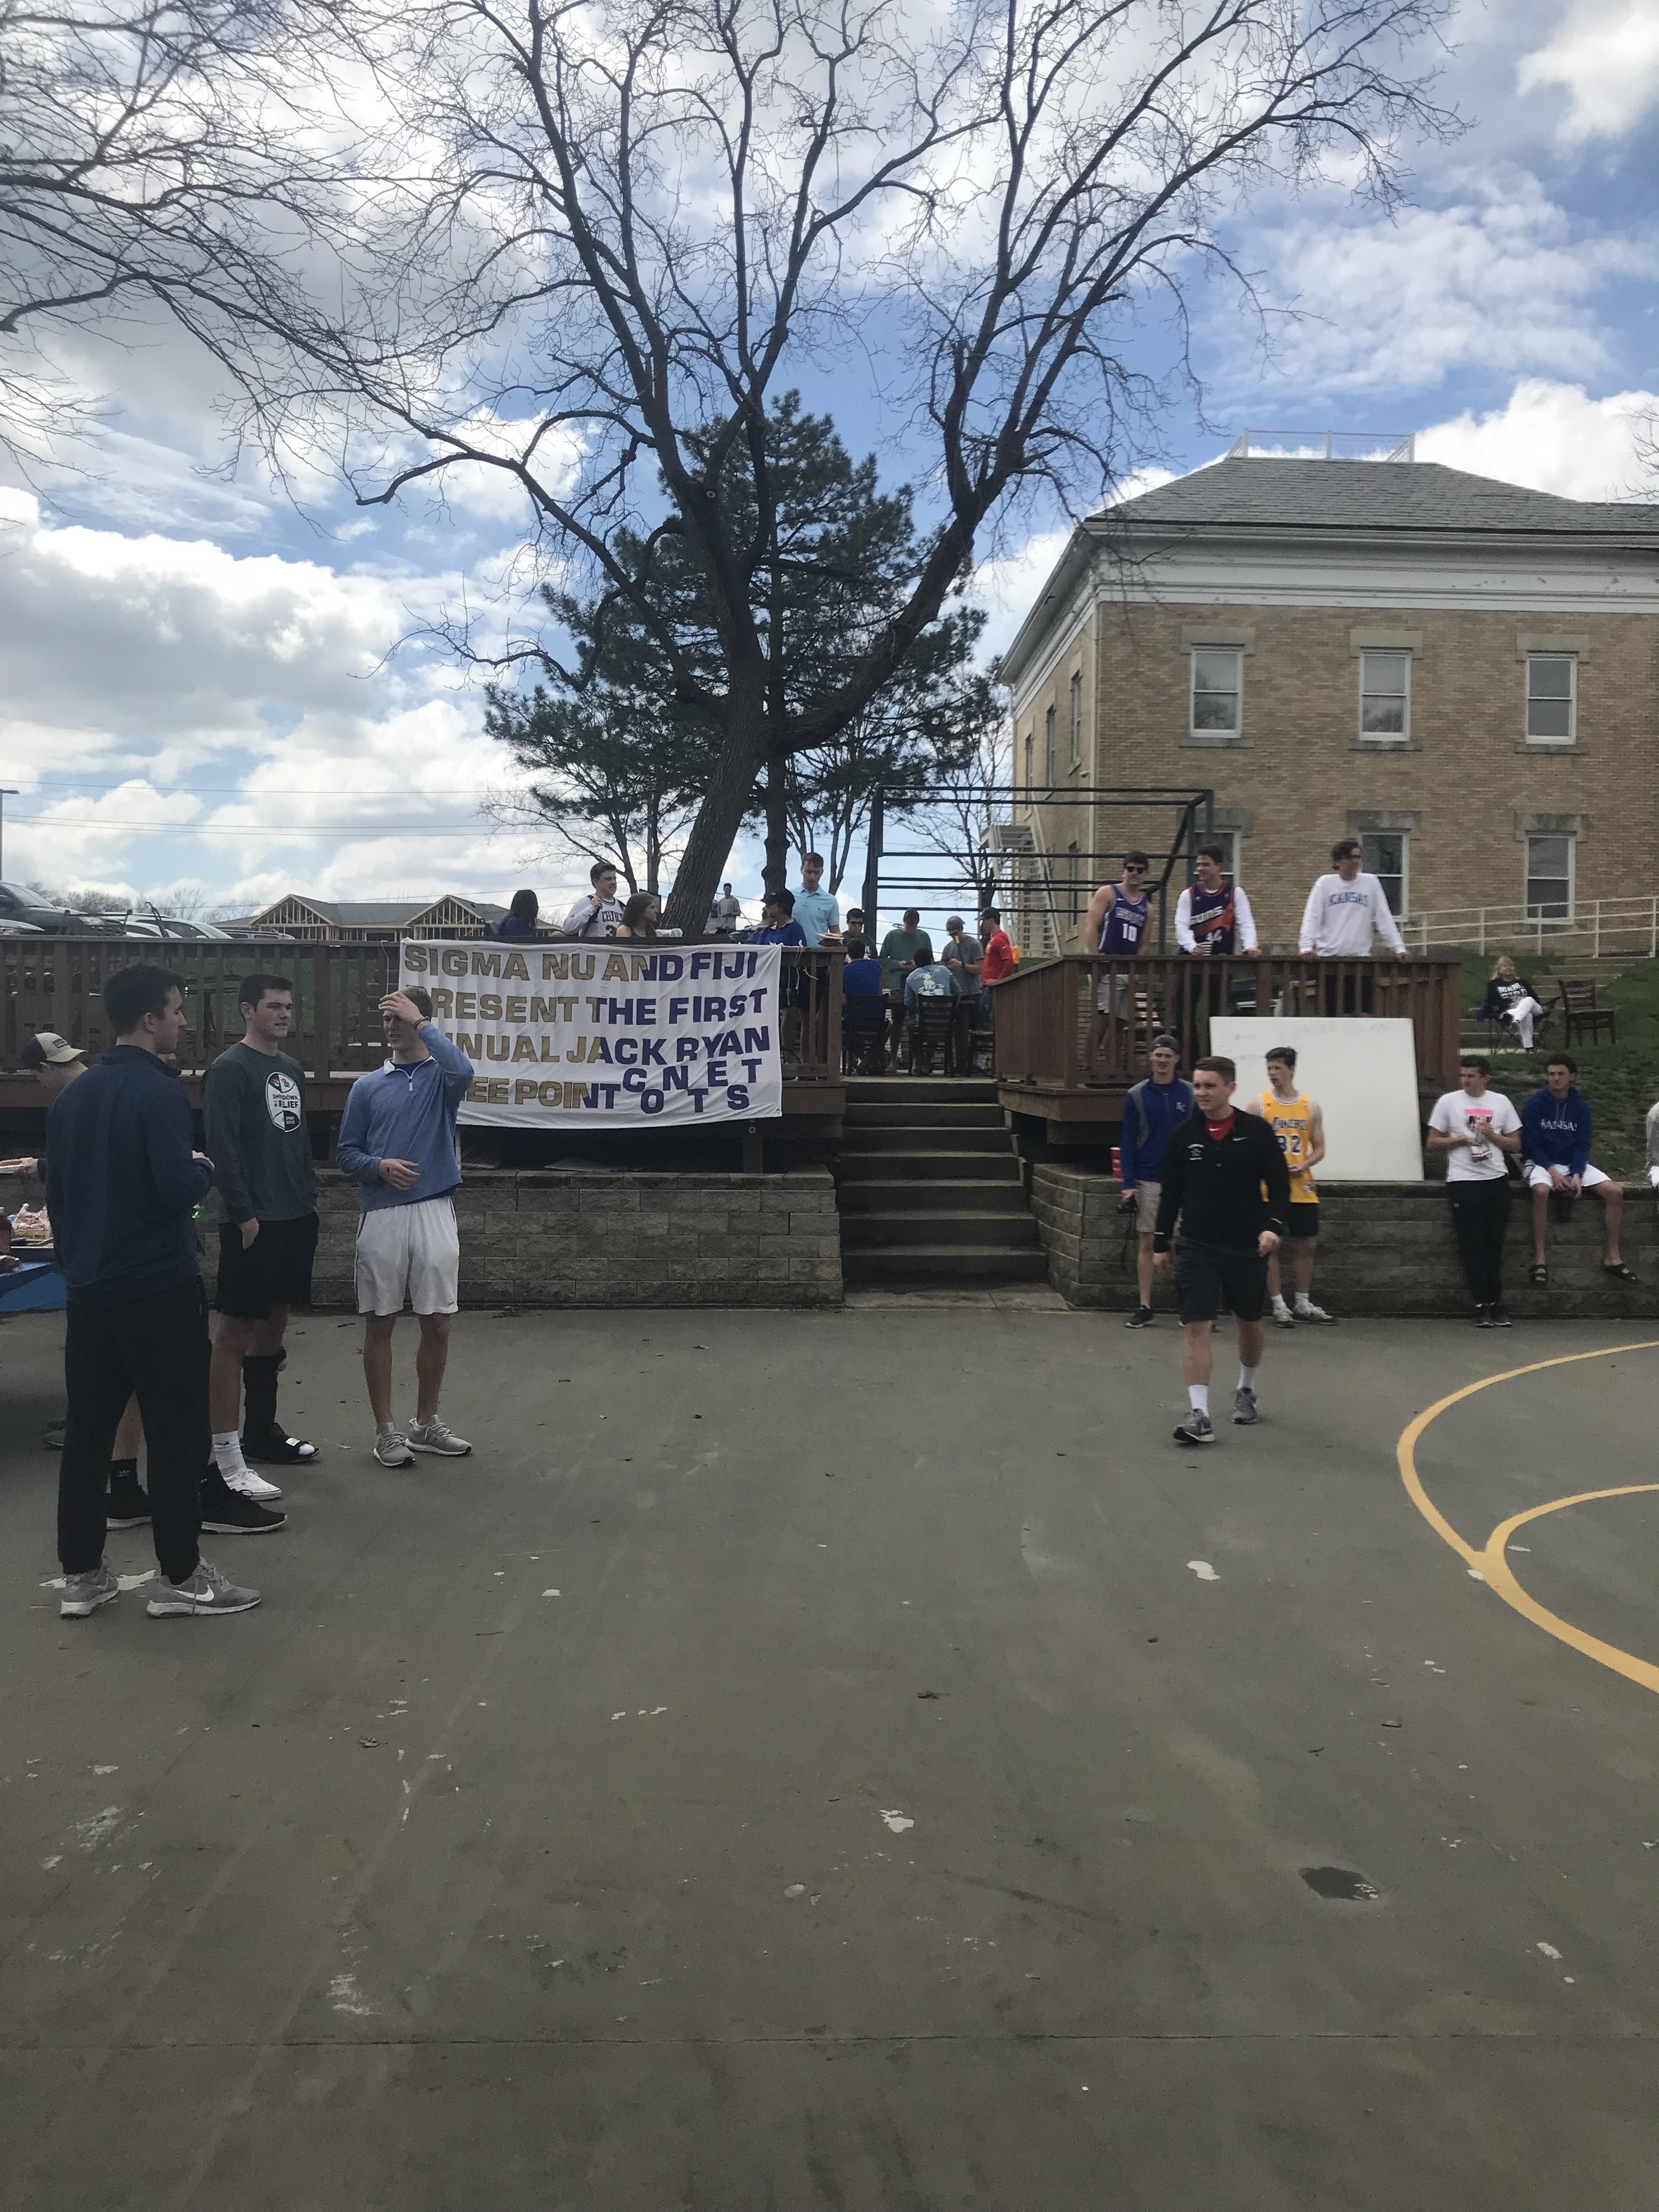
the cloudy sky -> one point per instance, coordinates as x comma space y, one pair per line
206, 687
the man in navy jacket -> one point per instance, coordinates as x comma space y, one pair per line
1555, 1141
123, 1184
1152, 1111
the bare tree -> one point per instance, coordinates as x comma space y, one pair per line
155, 155
605, 231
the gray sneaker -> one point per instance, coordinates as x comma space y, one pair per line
205, 1591
84, 1594
1244, 1413
436, 1435
392, 1448
1196, 1429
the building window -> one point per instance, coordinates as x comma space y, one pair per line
1228, 840
1385, 697
1552, 698
1049, 743
1549, 879
1386, 854
1218, 689
1077, 719
1074, 878
1030, 740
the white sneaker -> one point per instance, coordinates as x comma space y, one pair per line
243, 1480
436, 1435
392, 1448
1307, 1310
1283, 1315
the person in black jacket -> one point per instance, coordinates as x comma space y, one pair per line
1225, 1181
122, 1184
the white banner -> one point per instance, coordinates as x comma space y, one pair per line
604, 1034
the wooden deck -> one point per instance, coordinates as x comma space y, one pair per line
1059, 1061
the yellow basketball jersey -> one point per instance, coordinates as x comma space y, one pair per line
1291, 1122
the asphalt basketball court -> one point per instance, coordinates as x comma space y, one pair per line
856, 1760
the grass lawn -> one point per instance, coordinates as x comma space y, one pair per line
1621, 1080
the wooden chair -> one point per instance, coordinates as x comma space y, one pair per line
932, 1026
864, 1036
1580, 1011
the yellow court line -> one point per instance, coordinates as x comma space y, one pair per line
1490, 1561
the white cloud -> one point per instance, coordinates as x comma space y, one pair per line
1499, 279
1553, 437
1606, 58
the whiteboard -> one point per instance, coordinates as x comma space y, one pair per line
1362, 1073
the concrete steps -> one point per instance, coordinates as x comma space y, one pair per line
929, 1187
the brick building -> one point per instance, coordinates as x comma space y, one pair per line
1463, 673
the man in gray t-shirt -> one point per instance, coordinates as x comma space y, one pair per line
253, 1100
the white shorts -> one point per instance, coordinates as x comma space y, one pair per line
1147, 1195
409, 1253
1591, 1177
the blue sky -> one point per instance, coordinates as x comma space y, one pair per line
204, 687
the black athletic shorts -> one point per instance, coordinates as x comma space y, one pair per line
1210, 1282
1303, 1218
274, 1271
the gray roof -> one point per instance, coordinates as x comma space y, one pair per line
384, 913
1254, 491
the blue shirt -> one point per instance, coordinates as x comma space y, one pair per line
121, 1183
405, 1113
786, 932
931, 980
1152, 1113
1555, 1132
815, 911
860, 979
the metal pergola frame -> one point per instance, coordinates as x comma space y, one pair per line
1192, 818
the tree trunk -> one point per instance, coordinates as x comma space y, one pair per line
708, 847
775, 872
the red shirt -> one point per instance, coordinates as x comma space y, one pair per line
1219, 1129
999, 958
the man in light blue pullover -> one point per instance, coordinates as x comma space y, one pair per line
398, 1141
1555, 1142
1152, 1111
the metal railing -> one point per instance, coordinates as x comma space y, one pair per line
1593, 926
1079, 1023
56, 983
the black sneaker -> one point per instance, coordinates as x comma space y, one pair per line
277, 1448
228, 1514
1142, 1317
1483, 1317
1497, 1317
128, 1501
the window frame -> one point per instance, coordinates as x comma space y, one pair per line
1048, 718
1215, 734
1405, 871
1077, 717
1031, 748
1533, 909
1550, 743
1400, 737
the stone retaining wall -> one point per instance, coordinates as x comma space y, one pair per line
1383, 1249
552, 1238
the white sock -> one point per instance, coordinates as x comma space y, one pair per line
228, 1454
1198, 1397
1247, 1377
1302, 1301
1279, 1305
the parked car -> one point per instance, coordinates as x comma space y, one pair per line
145, 921
9, 928
19, 903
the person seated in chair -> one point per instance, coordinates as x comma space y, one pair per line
1511, 1001
861, 975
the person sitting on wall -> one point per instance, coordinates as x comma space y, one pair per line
522, 916
1511, 1000
1556, 1128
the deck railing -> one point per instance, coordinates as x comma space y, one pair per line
1077, 1023
56, 982
1593, 928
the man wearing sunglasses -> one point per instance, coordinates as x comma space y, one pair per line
1115, 927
